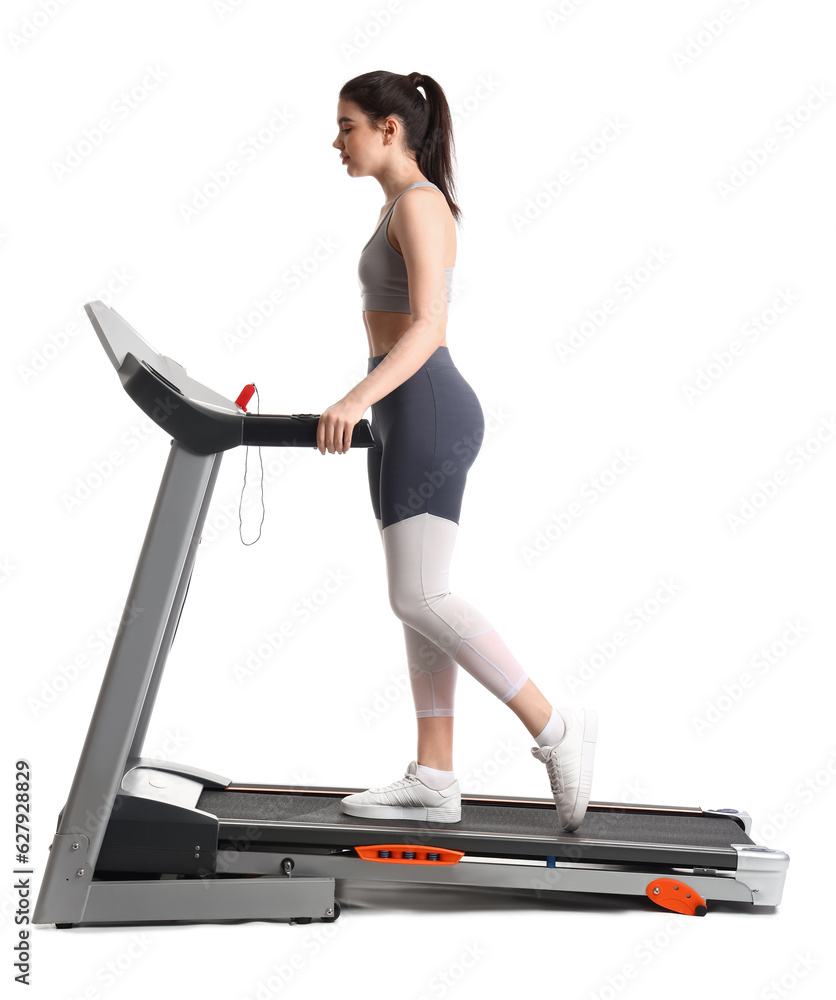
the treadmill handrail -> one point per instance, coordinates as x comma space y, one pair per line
206, 430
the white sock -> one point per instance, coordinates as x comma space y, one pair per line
434, 778
554, 731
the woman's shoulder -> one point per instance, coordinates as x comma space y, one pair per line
417, 202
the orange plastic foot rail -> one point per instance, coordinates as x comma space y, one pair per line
673, 894
409, 854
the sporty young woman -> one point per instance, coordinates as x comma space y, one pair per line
428, 425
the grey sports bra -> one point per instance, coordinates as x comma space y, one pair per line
382, 271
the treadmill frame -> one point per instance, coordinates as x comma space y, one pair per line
282, 883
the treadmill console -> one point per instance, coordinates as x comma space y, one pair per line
193, 414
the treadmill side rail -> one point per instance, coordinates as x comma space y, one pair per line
531, 877
208, 900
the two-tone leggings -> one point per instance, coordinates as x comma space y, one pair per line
428, 431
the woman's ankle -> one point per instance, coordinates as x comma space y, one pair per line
436, 777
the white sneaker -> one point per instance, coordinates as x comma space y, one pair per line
407, 798
569, 763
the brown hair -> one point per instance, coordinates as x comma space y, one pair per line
427, 124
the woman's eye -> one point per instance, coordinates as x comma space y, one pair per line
345, 130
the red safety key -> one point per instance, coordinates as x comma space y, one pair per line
245, 396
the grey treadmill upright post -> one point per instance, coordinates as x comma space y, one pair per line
182, 498
173, 618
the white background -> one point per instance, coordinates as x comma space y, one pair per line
723, 166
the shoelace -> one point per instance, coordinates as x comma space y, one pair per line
407, 779
555, 774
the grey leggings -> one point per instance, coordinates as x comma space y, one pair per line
429, 430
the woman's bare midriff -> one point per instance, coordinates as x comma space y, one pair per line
385, 329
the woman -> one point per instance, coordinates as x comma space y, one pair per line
428, 425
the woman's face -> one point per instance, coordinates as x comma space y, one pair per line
359, 144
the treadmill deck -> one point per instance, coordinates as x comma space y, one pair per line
491, 826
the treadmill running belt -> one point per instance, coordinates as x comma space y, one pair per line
486, 827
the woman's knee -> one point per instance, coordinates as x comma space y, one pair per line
406, 605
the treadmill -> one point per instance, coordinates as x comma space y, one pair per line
145, 841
